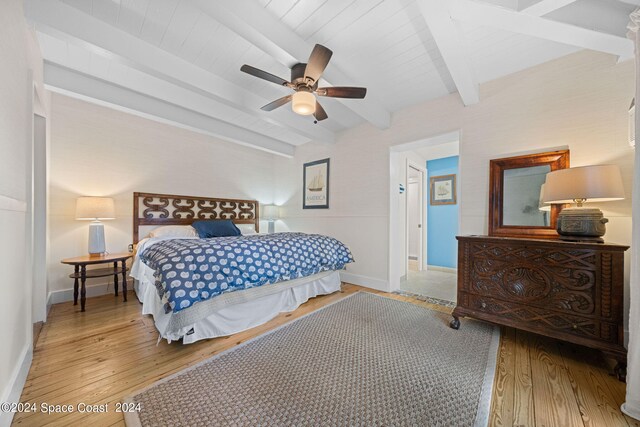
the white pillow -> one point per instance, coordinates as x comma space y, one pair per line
174, 231
247, 229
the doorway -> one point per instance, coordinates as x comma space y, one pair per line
410, 269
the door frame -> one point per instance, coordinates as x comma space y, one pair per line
37, 200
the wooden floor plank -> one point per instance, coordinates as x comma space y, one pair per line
523, 406
503, 388
110, 351
554, 400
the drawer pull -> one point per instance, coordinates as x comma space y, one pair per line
483, 305
574, 326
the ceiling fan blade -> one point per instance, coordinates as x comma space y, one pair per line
343, 92
277, 103
320, 114
318, 61
263, 75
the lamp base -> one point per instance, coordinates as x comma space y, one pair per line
96, 239
582, 239
581, 225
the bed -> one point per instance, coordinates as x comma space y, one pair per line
204, 288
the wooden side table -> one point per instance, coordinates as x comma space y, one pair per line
80, 272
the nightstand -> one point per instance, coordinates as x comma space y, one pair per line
81, 273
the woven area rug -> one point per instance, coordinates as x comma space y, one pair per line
365, 360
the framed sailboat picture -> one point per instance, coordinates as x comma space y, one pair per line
442, 190
315, 181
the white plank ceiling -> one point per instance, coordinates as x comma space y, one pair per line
179, 60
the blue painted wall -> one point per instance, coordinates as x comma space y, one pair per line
442, 221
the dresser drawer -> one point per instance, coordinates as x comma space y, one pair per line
537, 319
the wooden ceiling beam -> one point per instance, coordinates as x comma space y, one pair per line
449, 40
522, 23
542, 7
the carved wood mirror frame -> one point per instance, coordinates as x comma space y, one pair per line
556, 160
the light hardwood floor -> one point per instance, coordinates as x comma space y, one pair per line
109, 351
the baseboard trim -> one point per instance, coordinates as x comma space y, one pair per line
443, 269
65, 295
366, 281
17, 380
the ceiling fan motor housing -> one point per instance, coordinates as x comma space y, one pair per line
297, 74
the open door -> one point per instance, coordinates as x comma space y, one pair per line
416, 221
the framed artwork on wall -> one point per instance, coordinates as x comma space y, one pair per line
442, 190
315, 184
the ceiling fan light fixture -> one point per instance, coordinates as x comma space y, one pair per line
303, 103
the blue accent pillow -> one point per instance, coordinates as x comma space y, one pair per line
216, 228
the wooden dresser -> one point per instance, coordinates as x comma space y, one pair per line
565, 290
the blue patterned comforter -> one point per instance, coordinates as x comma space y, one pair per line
191, 270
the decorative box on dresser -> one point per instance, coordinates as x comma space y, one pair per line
566, 290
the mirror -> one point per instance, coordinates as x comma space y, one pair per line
515, 208
521, 204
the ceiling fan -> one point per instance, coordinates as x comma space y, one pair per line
304, 81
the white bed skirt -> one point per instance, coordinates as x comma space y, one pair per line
235, 318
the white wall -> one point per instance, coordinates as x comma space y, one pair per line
21, 68
98, 151
580, 100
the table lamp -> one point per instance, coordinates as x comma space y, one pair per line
95, 209
587, 184
271, 213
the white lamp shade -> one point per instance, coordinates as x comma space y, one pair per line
95, 208
271, 212
597, 183
542, 206
303, 103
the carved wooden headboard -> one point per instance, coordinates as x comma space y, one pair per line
151, 209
